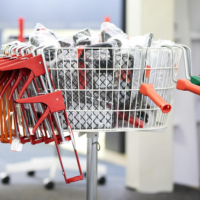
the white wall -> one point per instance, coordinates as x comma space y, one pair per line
186, 155
161, 17
149, 154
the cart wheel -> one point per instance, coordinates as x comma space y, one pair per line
48, 184
85, 174
102, 180
5, 179
31, 173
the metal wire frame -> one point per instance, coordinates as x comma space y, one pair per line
101, 88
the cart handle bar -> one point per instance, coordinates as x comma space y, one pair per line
148, 90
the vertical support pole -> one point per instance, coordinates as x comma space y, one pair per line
92, 142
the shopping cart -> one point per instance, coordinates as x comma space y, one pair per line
103, 89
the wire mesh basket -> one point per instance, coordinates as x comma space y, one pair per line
101, 85
99, 88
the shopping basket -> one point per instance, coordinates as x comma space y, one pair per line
115, 89
109, 89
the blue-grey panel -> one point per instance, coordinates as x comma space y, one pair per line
60, 14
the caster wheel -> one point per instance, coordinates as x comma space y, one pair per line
48, 184
31, 173
85, 174
102, 180
5, 179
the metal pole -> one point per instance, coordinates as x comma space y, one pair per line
92, 142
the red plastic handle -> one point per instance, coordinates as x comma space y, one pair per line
5, 76
135, 121
19, 78
42, 118
30, 78
52, 100
138, 123
148, 71
148, 90
8, 83
81, 72
186, 85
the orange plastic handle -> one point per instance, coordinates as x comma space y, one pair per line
148, 90
186, 85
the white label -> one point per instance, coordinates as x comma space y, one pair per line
16, 145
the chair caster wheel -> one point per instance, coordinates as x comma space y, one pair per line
48, 184
5, 179
31, 173
102, 180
